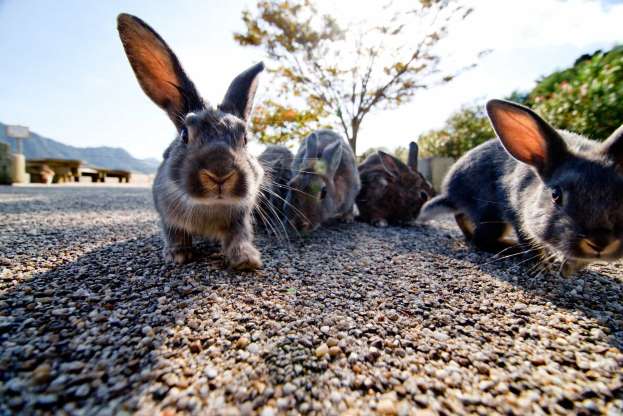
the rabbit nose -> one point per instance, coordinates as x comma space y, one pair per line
600, 243
217, 181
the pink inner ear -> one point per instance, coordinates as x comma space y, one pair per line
520, 134
613, 146
389, 163
152, 63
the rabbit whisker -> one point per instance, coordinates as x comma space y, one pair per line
276, 216
298, 212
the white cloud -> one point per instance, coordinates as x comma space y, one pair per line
505, 25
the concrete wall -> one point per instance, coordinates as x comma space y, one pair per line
435, 169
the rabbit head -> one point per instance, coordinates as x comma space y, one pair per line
391, 191
575, 204
208, 161
311, 199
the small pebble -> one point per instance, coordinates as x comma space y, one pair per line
322, 350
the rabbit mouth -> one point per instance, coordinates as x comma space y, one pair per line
585, 250
217, 200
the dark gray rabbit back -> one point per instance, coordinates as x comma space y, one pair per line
325, 182
208, 183
276, 160
391, 192
561, 193
277, 163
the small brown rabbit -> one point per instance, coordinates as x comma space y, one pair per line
561, 193
208, 182
391, 192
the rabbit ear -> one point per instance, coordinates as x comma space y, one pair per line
413, 155
311, 147
239, 96
332, 155
157, 69
526, 136
389, 164
613, 146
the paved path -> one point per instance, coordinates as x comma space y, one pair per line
353, 320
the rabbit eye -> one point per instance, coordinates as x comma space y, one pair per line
323, 192
557, 195
423, 196
184, 134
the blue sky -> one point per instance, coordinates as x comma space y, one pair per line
63, 72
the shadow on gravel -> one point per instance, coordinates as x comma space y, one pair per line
119, 328
80, 335
596, 294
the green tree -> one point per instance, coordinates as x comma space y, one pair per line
370, 151
333, 73
402, 153
463, 130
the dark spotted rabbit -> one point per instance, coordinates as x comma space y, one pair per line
391, 192
208, 183
561, 193
277, 163
325, 182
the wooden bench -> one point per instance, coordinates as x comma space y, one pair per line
123, 175
40, 173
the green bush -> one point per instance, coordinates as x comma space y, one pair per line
464, 130
587, 98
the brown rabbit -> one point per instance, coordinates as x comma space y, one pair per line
391, 192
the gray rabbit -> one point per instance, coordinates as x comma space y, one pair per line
325, 182
276, 160
561, 193
208, 183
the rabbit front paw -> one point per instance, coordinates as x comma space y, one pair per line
244, 257
178, 254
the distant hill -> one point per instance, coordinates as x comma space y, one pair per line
39, 147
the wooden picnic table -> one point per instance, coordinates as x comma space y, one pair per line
68, 170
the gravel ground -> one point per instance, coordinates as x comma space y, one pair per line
353, 320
